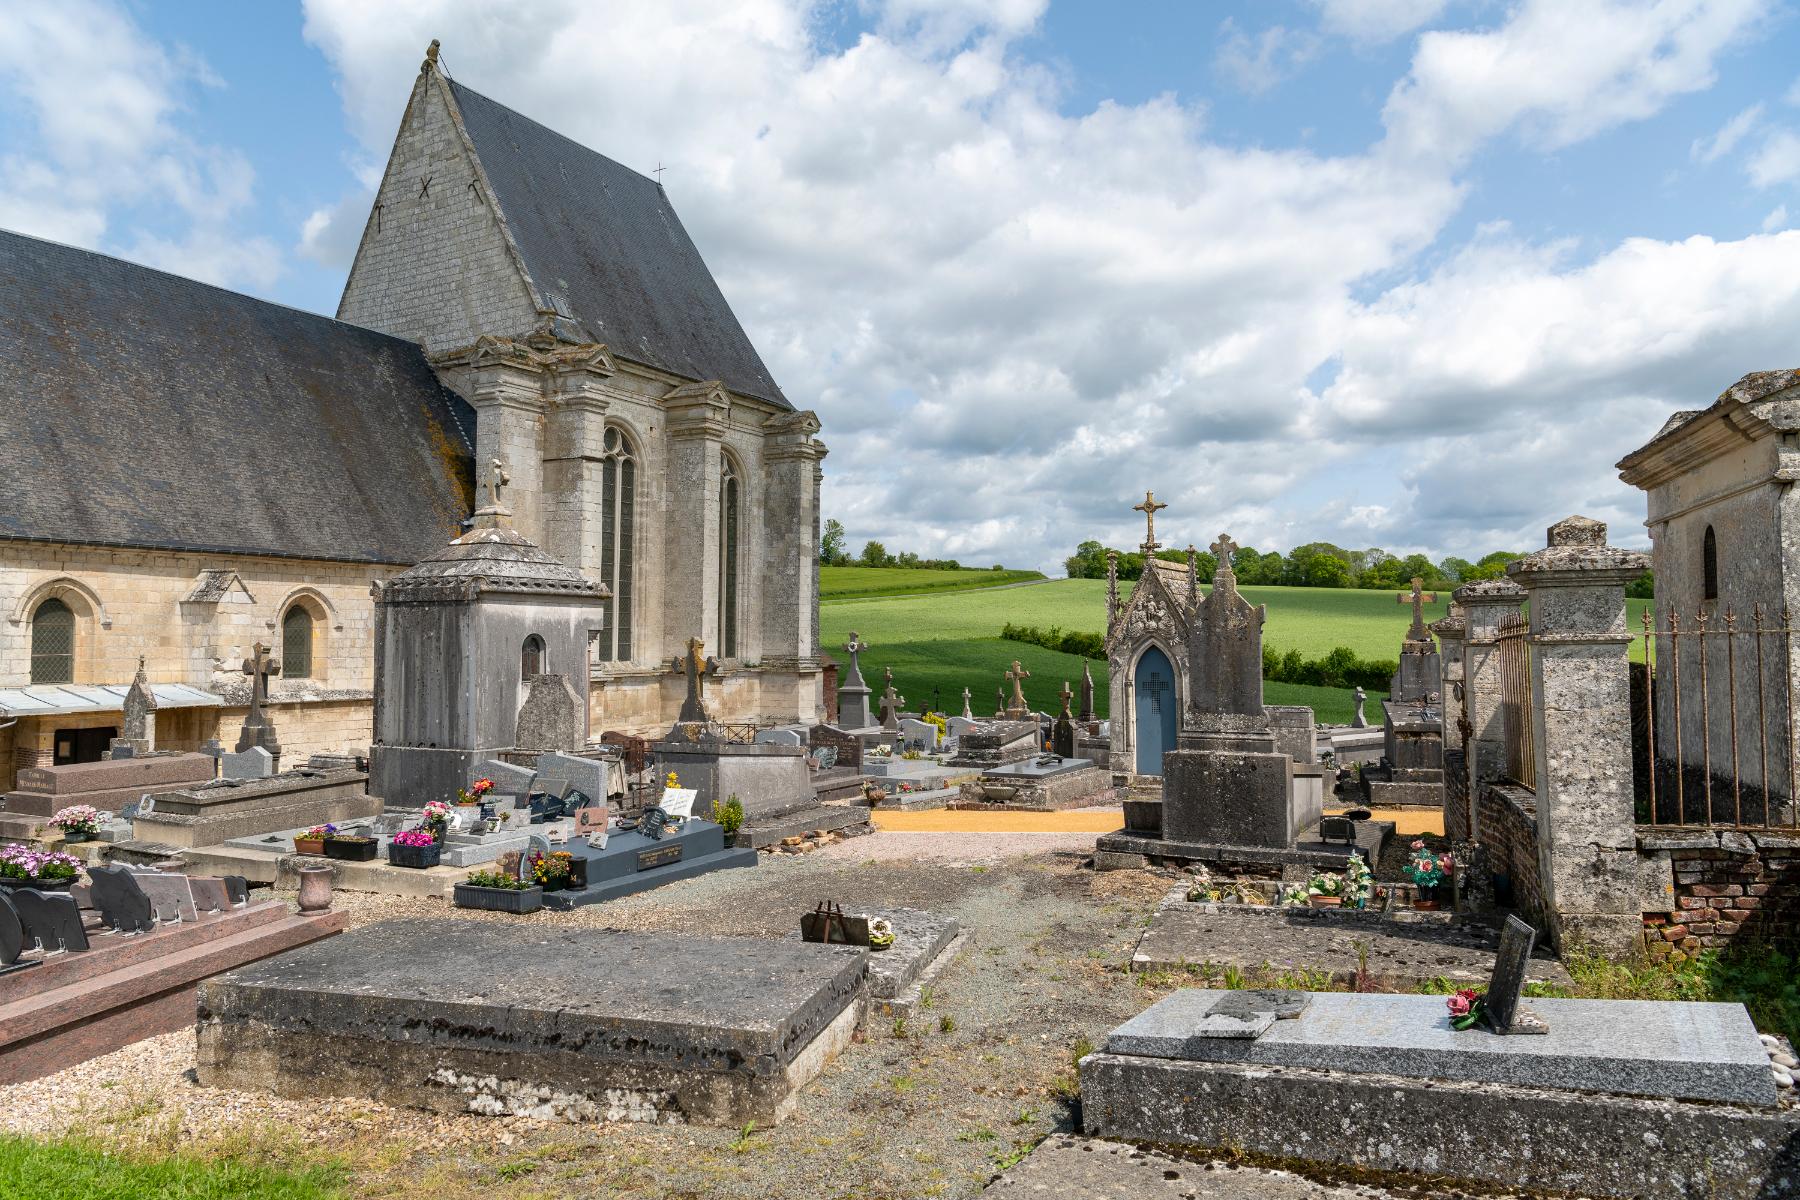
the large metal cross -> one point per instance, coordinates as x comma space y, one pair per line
1419, 600
1149, 508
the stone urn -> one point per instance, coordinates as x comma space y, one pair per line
315, 888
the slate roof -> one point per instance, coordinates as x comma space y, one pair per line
138, 408
605, 249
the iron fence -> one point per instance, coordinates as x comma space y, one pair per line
1514, 648
1717, 746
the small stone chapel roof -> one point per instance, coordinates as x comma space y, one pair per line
603, 246
142, 409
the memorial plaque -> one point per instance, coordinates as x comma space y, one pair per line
591, 822
660, 856
1508, 981
679, 802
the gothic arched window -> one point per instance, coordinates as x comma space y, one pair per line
618, 492
531, 658
730, 504
297, 643
1709, 566
53, 643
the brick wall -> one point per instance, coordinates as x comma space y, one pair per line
1744, 887
1508, 818
1456, 796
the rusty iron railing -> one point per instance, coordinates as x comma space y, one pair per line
1719, 734
1514, 648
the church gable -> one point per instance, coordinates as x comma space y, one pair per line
436, 264
1155, 610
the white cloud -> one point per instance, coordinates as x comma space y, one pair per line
1559, 72
1776, 220
1254, 63
1725, 140
102, 101
1013, 319
1372, 21
1776, 161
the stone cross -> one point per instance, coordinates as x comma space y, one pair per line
1418, 599
1000, 702
854, 647
1017, 708
498, 477
1066, 695
1359, 721
1225, 694
1222, 551
1149, 508
258, 729
967, 713
891, 702
1087, 695
695, 664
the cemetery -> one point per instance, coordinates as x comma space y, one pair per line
556, 833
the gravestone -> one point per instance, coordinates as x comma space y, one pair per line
1016, 707
51, 920
252, 763
508, 779
1421, 669
258, 728
238, 888
959, 726
560, 774
138, 734
922, 734
552, 717
778, 737
1507, 983
1359, 721
853, 692
12, 932
1086, 716
1062, 732
172, 896
891, 703
210, 894
122, 903
967, 712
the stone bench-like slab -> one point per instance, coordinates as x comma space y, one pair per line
463, 1016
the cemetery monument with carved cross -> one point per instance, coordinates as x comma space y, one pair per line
258, 728
1147, 637
853, 691
1017, 709
1421, 669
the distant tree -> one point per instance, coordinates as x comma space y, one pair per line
906, 558
1491, 566
1456, 570
831, 544
874, 554
1088, 561
1642, 588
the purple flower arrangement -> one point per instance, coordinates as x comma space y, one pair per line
414, 837
32, 866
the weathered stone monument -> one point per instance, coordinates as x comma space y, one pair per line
1016, 707
853, 692
1420, 669
460, 639
137, 735
891, 703
259, 728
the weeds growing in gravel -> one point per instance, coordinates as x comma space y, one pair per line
900, 1027
745, 1140
946, 1024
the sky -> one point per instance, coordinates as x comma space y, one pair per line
1401, 273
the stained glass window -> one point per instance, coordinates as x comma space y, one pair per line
53, 643
618, 493
296, 644
729, 504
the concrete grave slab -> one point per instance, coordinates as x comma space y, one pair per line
1632, 1047
570, 1024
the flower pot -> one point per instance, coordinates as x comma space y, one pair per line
312, 846
416, 857
1327, 901
315, 888
352, 849
76, 835
577, 873
512, 900
42, 885
1426, 898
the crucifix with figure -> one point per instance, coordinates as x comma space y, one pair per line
1150, 507
258, 729
1418, 599
1016, 708
498, 478
695, 664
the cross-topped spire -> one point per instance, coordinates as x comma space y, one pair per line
1150, 507
1223, 549
1419, 599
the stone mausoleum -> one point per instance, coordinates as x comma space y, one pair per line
516, 296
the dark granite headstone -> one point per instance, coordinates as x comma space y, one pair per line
122, 903
1507, 983
12, 932
238, 888
50, 919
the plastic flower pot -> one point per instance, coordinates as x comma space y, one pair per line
416, 857
1426, 898
512, 900
352, 849
312, 846
1327, 901
76, 835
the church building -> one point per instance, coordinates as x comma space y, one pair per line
194, 472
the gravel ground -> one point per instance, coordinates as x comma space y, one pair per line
935, 1108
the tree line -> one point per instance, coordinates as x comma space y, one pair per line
834, 551
1318, 564
1340, 667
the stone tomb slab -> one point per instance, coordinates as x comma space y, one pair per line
569, 1024
631, 862
1662, 1049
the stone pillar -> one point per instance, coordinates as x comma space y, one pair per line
574, 442
1485, 603
1581, 718
1451, 632
507, 396
787, 574
698, 416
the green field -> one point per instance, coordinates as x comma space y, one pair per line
942, 644
837, 583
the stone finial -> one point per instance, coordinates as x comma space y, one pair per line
1488, 591
431, 57
1150, 507
1576, 531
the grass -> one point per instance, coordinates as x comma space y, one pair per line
1763, 979
72, 1170
839, 583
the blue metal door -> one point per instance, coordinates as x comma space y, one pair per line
1156, 704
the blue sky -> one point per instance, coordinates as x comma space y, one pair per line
1409, 273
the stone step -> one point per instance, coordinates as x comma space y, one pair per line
376, 875
771, 830
54, 1029
111, 951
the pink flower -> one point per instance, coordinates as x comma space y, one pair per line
1420, 845
1459, 1006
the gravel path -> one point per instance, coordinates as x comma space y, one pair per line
933, 1108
